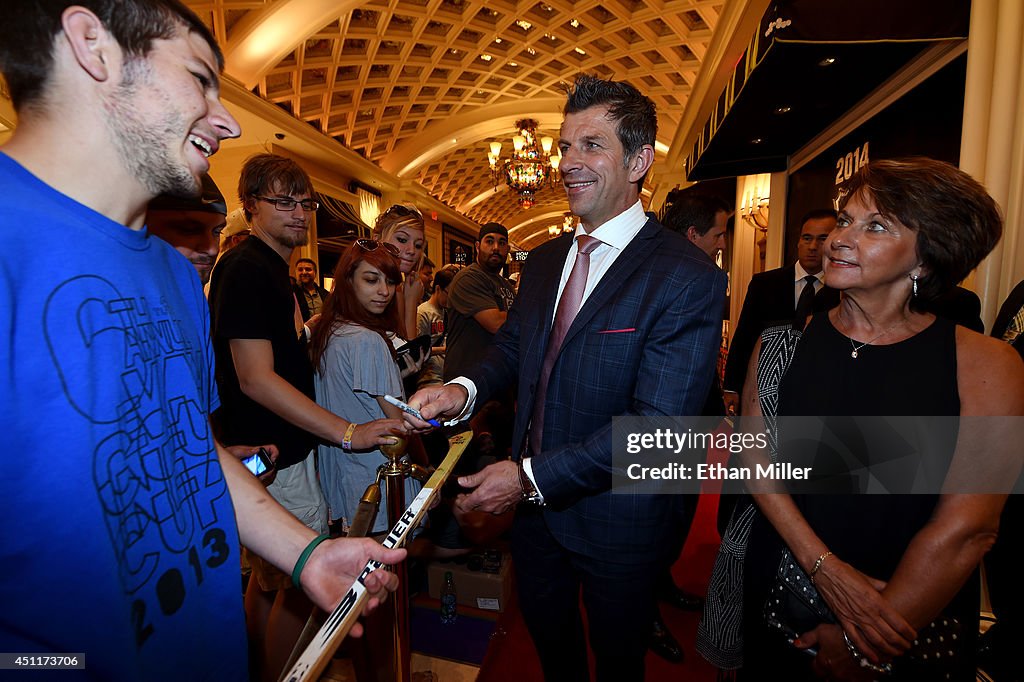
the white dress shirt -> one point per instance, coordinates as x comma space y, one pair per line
800, 282
615, 236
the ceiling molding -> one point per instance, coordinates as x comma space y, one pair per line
480, 124
526, 225
264, 37
466, 206
262, 121
389, 85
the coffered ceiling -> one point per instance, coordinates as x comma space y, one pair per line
420, 87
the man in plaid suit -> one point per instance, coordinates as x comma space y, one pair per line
642, 343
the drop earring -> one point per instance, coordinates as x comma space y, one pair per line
913, 278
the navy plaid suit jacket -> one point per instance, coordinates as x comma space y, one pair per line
644, 343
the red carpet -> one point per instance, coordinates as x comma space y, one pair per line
512, 658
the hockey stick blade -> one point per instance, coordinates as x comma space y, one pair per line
316, 656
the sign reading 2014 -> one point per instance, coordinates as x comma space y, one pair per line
847, 165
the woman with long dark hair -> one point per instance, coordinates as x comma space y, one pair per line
354, 363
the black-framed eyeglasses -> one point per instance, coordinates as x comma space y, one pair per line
308, 205
372, 244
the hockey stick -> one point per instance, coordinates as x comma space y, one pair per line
317, 655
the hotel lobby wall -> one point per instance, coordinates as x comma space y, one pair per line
926, 121
992, 147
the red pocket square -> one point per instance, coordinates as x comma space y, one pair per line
618, 331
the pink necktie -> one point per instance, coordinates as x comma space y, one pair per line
568, 306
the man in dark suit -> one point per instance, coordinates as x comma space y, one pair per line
703, 219
779, 296
642, 343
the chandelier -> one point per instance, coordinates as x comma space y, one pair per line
531, 165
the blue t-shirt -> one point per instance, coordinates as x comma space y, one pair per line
118, 537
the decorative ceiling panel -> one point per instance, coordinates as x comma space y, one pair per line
388, 78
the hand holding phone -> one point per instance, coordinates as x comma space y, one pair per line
404, 407
260, 463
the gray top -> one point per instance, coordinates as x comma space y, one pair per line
356, 367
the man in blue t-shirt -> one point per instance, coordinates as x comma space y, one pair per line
122, 515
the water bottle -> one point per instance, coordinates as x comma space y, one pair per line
448, 613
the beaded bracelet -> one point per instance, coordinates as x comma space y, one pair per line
304, 557
817, 565
346, 440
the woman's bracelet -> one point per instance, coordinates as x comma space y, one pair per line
817, 565
346, 440
883, 669
304, 557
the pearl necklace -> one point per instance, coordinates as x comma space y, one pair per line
857, 347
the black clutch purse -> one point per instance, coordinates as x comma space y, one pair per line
794, 607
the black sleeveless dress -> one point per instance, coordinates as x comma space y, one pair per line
915, 377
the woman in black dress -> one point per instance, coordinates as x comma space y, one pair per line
887, 566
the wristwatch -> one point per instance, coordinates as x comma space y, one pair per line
530, 493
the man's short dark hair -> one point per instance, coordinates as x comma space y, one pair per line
633, 112
29, 27
306, 260
444, 276
263, 174
696, 210
818, 214
427, 263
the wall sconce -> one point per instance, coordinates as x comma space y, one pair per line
754, 210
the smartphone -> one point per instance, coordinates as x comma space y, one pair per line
260, 463
410, 410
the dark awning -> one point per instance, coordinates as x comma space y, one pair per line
810, 62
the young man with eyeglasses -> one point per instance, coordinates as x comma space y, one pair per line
266, 382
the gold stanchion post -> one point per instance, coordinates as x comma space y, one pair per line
394, 473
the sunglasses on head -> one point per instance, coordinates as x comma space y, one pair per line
402, 209
372, 244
